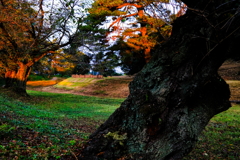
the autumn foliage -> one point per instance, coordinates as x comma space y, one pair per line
137, 27
26, 36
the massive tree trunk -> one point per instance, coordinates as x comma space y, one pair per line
16, 75
16, 79
176, 94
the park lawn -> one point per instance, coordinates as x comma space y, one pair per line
51, 125
220, 139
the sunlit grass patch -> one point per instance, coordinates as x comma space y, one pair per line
75, 83
235, 89
42, 83
235, 83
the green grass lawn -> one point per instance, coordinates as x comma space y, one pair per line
220, 139
51, 125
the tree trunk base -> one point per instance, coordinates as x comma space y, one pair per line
153, 131
19, 92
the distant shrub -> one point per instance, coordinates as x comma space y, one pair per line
62, 75
2, 81
36, 77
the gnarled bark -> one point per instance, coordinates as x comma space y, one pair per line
176, 94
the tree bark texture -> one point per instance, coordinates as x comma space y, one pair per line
176, 94
16, 79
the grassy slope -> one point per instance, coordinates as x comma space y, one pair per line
108, 87
49, 125
56, 125
114, 87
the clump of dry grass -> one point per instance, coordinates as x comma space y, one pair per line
235, 89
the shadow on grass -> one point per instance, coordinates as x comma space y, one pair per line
49, 125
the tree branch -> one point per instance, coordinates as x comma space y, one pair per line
41, 12
5, 32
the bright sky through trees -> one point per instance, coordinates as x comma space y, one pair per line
151, 10
137, 24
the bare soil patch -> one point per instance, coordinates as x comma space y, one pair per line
114, 88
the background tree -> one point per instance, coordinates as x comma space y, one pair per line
176, 94
131, 60
82, 66
105, 63
29, 31
63, 63
42, 67
138, 25
80, 60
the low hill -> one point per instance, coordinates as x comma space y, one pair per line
117, 87
230, 70
112, 87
